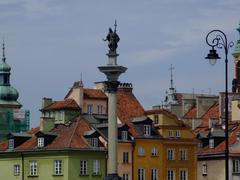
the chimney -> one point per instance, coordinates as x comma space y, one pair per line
46, 102
125, 87
46, 124
100, 85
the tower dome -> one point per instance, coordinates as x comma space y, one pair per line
8, 94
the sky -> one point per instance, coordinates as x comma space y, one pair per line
50, 43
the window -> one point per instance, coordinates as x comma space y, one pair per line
16, 170
125, 157
83, 167
141, 151
170, 133
170, 154
124, 135
89, 108
183, 174
154, 174
178, 134
96, 167
170, 174
154, 151
100, 109
40, 142
183, 154
211, 143
156, 120
11, 144
93, 142
236, 168
141, 174
125, 176
58, 167
33, 168
147, 130
204, 169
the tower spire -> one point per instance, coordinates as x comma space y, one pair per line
115, 25
171, 69
3, 49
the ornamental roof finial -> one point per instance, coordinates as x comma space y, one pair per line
3, 49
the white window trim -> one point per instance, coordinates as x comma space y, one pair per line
96, 167
141, 174
154, 151
83, 167
170, 154
170, 133
141, 151
125, 176
178, 133
11, 144
211, 143
147, 130
154, 174
186, 175
236, 166
183, 154
33, 168
16, 169
172, 175
57, 167
125, 157
204, 169
40, 141
124, 135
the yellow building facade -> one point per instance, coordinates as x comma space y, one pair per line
176, 150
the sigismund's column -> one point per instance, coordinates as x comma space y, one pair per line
112, 72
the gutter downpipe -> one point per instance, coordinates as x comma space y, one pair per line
22, 166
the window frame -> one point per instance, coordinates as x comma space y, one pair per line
83, 167
33, 168
90, 108
204, 169
156, 119
178, 133
211, 143
154, 151
11, 144
170, 133
147, 130
141, 151
183, 154
16, 169
125, 157
170, 154
183, 176
125, 176
40, 142
236, 166
124, 135
141, 174
171, 174
58, 167
154, 174
96, 167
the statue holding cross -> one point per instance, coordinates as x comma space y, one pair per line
113, 39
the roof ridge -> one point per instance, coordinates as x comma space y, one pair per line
70, 141
215, 104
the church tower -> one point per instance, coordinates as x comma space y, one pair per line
236, 55
8, 94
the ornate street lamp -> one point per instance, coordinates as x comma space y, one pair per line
218, 39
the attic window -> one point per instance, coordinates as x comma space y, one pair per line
178, 134
93, 142
147, 130
156, 120
40, 142
211, 143
124, 135
11, 144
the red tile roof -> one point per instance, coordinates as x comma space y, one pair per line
212, 113
191, 114
68, 137
93, 94
128, 106
65, 104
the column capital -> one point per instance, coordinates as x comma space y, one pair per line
112, 86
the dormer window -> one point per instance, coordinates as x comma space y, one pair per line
40, 142
93, 142
124, 135
147, 130
178, 134
211, 143
170, 133
11, 144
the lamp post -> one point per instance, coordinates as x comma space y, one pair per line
218, 39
